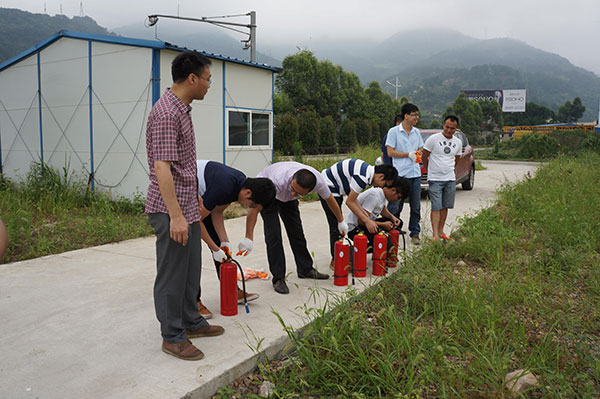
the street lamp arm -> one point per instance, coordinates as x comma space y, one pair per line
249, 44
153, 19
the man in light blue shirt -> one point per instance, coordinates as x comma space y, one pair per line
404, 142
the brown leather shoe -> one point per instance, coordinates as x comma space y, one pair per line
204, 312
206, 331
182, 350
249, 296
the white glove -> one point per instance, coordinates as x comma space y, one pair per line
412, 155
378, 161
244, 247
219, 255
343, 228
226, 247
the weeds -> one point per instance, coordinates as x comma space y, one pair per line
518, 289
52, 212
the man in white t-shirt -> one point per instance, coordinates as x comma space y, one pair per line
440, 153
373, 201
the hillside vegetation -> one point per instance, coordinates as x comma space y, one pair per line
21, 30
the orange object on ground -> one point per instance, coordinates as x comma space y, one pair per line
252, 273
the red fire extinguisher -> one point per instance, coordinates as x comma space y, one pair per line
360, 255
392, 258
341, 263
379, 254
228, 276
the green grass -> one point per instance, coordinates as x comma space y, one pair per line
53, 211
520, 288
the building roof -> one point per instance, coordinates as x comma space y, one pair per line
155, 44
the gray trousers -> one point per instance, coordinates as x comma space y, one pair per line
178, 270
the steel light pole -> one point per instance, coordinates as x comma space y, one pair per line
394, 85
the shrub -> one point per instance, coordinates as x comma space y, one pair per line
364, 131
309, 131
536, 146
570, 141
592, 142
327, 131
297, 151
286, 133
347, 137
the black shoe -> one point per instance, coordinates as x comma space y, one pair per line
314, 274
281, 287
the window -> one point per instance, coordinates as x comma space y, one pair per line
249, 128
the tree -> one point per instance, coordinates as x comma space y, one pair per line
282, 104
568, 113
534, 115
309, 130
470, 115
286, 132
435, 124
298, 80
492, 114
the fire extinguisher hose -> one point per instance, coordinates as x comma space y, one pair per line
351, 243
243, 283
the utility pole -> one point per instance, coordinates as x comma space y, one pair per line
250, 43
394, 85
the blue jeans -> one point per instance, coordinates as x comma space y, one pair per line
414, 199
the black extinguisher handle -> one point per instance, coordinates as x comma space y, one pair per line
243, 283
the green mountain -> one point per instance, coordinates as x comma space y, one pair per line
21, 30
550, 80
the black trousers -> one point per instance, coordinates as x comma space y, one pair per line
290, 216
334, 233
210, 228
178, 270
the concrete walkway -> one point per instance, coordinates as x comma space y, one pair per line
82, 325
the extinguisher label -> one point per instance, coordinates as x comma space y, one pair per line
341, 254
380, 246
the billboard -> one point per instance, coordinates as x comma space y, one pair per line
509, 100
484, 95
514, 100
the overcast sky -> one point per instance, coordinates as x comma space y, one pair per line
566, 27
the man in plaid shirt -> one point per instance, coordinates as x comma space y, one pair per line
173, 208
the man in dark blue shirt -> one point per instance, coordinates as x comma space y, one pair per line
218, 186
385, 158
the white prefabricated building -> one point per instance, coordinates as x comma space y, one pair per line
81, 101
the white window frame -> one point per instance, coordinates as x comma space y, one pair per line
251, 112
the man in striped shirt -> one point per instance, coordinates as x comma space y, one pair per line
349, 177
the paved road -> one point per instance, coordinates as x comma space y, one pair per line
82, 323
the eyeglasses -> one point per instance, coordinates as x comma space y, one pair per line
296, 193
202, 77
414, 114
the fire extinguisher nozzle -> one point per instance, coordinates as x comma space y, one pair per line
247, 308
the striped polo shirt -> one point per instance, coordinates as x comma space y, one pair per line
349, 174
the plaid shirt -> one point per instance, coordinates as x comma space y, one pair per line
170, 137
